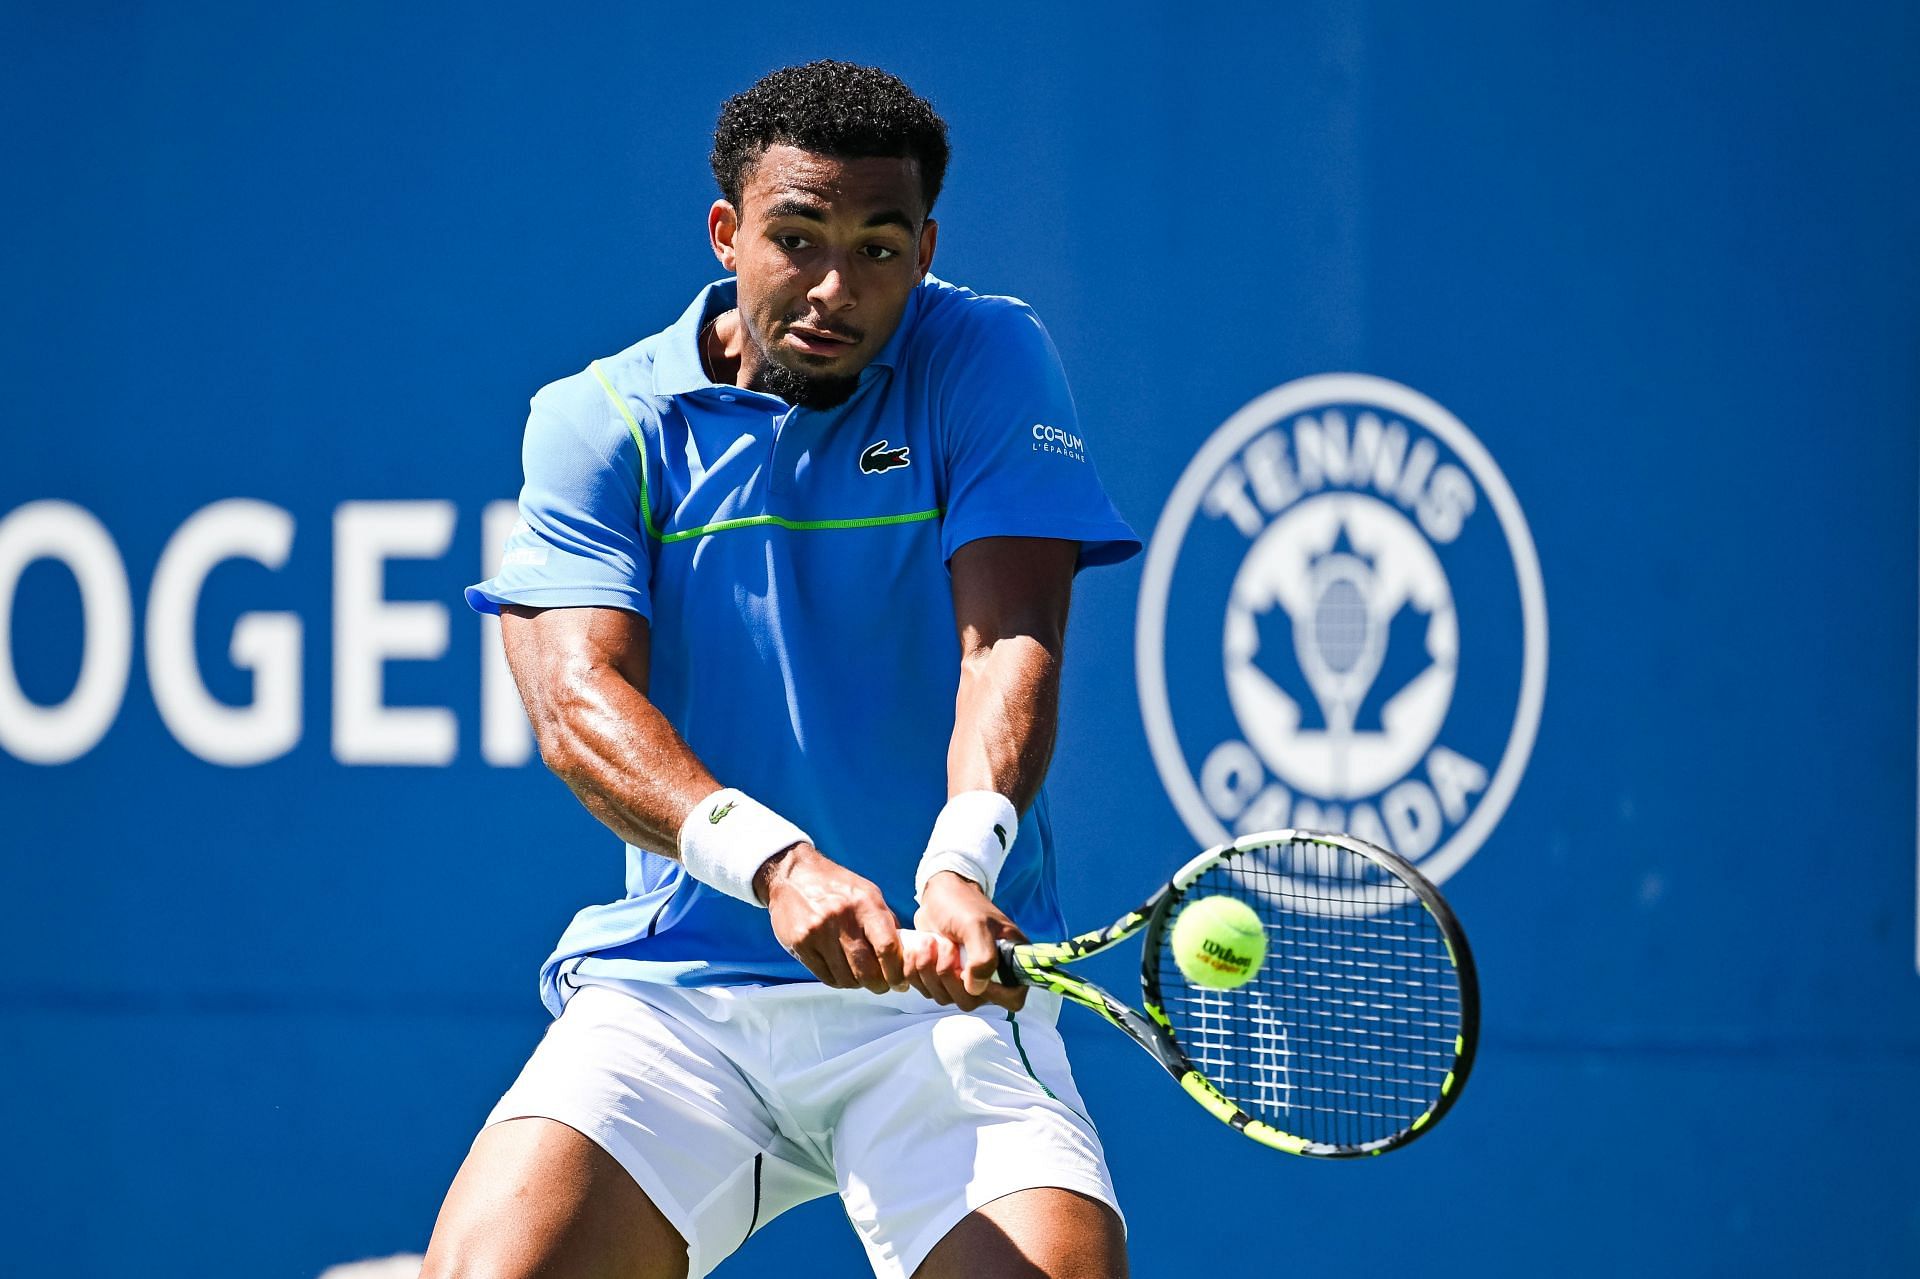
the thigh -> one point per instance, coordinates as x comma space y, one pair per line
1045, 1233
631, 1114
958, 1112
534, 1197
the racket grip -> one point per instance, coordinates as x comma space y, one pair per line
1007, 974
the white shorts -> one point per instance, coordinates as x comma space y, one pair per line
729, 1105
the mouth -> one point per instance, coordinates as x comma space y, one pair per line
812, 339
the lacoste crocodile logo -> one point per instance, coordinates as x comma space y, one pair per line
715, 816
1000, 833
878, 458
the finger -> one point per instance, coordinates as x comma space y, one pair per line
952, 976
946, 954
884, 936
1014, 997
833, 958
963, 999
982, 958
937, 969
921, 955
863, 965
937, 952
812, 963
920, 947
914, 946
927, 982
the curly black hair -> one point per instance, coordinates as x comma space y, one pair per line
830, 108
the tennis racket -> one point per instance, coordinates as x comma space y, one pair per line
1355, 1034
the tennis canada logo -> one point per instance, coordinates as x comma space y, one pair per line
1342, 625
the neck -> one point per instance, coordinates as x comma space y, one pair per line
724, 350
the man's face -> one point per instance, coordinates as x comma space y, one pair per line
827, 251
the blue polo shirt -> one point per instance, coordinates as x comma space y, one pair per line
792, 563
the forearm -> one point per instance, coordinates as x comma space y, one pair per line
582, 673
1010, 601
583, 676
617, 753
1005, 717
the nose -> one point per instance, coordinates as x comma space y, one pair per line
833, 291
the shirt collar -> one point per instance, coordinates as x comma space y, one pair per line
678, 368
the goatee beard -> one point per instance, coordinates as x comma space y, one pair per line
808, 390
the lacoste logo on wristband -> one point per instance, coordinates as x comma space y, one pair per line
1000, 833
878, 458
720, 812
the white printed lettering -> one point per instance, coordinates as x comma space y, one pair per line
506, 739
1268, 811
1230, 778
56, 530
369, 630
1448, 502
1364, 823
1454, 777
268, 644
1413, 818
1267, 470
1378, 452
1320, 449
1227, 496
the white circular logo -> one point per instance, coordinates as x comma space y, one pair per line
1342, 625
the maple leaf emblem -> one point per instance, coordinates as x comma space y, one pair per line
1403, 653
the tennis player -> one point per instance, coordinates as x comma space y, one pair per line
786, 605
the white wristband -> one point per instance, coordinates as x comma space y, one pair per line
728, 837
971, 837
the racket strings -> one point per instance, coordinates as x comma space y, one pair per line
1347, 1031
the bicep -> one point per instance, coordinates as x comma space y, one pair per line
1010, 587
552, 651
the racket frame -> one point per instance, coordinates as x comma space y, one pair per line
1040, 964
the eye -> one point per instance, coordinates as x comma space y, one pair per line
790, 242
880, 252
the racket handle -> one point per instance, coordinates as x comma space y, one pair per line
912, 939
1008, 974
930, 948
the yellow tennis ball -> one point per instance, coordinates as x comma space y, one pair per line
1218, 942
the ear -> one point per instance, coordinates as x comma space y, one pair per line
929, 233
723, 223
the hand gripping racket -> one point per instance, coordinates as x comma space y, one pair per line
1355, 1034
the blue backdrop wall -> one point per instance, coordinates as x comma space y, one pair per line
276, 870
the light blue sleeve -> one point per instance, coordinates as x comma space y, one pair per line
1017, 460
579, 541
